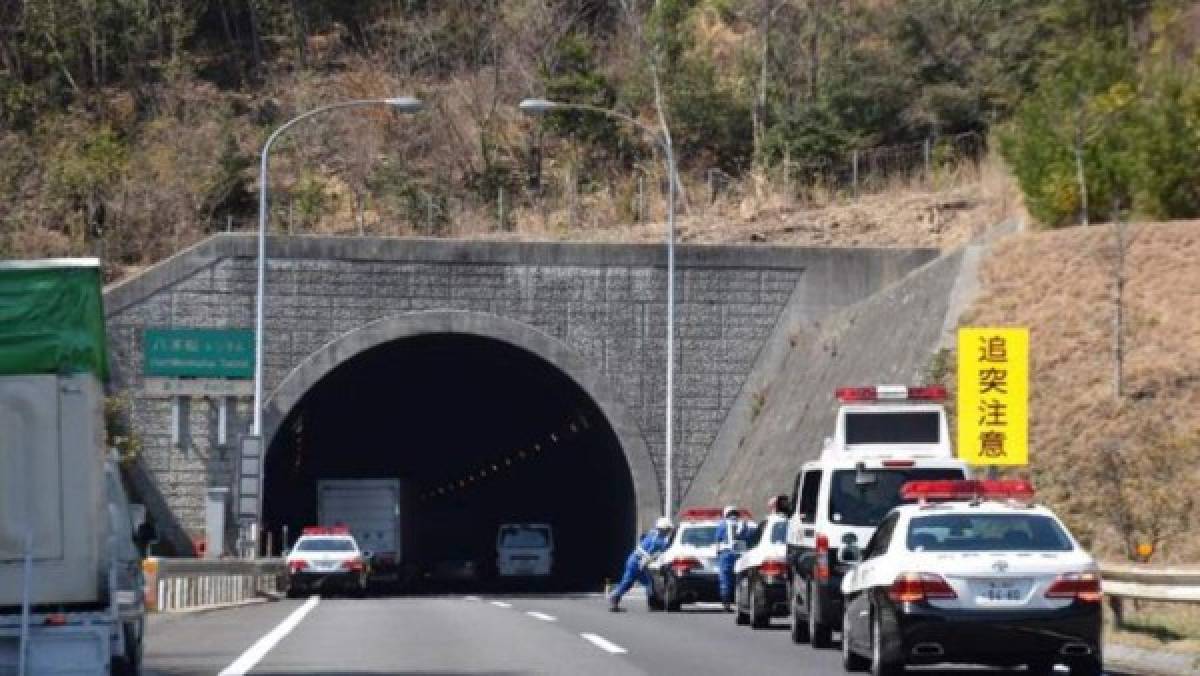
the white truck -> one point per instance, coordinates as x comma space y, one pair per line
372, 510
70, 575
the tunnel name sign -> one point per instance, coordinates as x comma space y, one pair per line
993, 396
199, 353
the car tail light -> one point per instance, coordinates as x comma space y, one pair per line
773, 568
297, 565
822, 565
1082, 586
914, 587
682, 566
355, 564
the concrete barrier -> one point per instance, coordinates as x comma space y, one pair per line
174, 585
1148, 583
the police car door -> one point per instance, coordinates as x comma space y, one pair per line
872, 571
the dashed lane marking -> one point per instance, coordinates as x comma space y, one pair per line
541, 616
501, 604
604, 644
259, 650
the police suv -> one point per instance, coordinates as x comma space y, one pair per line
972, 573
760, 587
884, 436
326, 559
686, 572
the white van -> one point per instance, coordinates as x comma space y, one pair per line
524, 550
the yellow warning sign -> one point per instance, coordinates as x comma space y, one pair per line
993, 396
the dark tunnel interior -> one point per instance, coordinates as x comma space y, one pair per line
480, 433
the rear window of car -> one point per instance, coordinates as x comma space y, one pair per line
517, 537
779, 533
325, 545
893, 428
698, 536
863, 500
986, 533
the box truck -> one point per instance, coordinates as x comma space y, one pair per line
372, 510
70, 573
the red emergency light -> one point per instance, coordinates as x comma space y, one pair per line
710, 514
326, 530
891, 393
968, 489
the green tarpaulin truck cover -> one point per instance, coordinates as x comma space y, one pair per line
52, 317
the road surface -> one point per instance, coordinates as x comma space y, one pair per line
450, 635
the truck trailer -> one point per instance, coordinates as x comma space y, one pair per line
372, 510
70, 574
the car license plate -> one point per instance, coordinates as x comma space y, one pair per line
1002, 590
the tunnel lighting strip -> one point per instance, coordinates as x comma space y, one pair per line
574, 427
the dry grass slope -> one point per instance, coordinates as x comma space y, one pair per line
1122, 469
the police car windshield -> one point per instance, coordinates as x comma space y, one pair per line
865, 500
779, 533
698, 536
325, 545
524, 538
986, 533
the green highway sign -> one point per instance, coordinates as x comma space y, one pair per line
198, 353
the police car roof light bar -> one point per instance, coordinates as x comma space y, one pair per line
325, 530
709, 513
967, 489
872, 393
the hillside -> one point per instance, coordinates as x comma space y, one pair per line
1122, 468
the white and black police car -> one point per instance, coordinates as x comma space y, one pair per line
686, 572
972, 572
326, 559
760, 574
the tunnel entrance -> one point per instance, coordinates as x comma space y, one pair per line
480, 433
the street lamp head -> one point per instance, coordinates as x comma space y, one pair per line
538, 106
406, 104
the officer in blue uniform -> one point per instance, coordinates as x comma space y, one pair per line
730, 532
652, 544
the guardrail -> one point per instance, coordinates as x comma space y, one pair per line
1147, 583
186, 584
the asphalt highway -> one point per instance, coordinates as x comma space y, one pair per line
461, 635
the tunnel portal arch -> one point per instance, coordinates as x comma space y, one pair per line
309, 374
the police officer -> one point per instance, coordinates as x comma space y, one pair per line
651, 545
730, 531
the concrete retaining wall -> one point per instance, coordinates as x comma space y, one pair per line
787, 407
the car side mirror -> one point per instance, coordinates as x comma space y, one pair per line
850, 554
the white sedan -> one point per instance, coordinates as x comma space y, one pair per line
760, 574
971, 574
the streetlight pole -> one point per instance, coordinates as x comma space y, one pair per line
542, 106
403, 104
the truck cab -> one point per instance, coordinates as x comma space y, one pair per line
884, 436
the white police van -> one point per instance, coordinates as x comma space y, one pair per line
884, 437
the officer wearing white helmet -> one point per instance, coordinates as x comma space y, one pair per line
732, 530
651, 545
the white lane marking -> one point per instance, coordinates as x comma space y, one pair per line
604, 644
501, 604
541, 616
259, 650
472, 598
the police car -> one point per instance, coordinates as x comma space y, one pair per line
686, 572
972, 573
760, 588
326, 559
884, 436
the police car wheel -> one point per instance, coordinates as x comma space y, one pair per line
851, 661
740, 598
760, 615
671, 595
654, 602
820, 634
880, 664
799, 624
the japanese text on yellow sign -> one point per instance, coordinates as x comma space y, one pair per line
993, 396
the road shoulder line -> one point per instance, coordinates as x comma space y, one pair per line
255, 653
